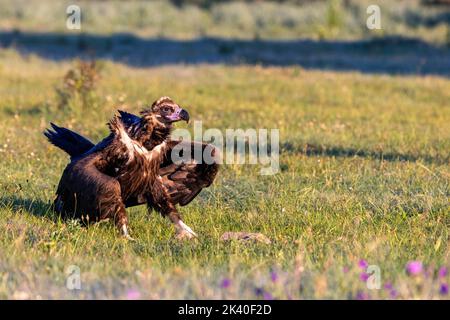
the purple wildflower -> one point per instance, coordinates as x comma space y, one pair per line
133, 294
443, 290
388, 286
442, 272
393, 293
267, 296
225, 283
362, 296
414, 268
363, 264
364, 276
274, 276
345, 269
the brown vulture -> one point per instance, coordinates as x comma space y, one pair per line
131, 166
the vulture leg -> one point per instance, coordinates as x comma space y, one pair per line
121, 221
111, 206
159, 199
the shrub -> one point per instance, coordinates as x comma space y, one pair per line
78, 85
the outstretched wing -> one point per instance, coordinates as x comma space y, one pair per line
67, 140
76, 145
191, 171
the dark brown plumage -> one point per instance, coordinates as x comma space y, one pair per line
131, 166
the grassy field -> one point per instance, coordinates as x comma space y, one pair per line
364, 175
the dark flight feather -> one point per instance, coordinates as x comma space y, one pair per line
128, 119
67, 140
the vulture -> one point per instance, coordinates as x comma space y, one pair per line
132, 166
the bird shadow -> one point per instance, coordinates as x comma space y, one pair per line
34, 207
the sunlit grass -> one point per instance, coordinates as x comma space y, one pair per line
364, 175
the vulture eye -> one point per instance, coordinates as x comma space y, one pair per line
165, 109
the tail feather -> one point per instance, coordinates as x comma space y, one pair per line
67, 140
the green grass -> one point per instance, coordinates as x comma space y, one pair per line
364, 175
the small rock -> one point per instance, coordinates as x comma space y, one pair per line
245, 236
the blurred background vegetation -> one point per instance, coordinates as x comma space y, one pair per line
186, 19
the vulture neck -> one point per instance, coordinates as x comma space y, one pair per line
150, 132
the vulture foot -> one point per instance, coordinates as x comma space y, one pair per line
184, 232
125, 234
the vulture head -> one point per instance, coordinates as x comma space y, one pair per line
166, 111
155, 123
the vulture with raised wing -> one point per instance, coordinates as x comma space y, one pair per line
133, 165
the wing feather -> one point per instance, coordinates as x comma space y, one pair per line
186, 179
128, 119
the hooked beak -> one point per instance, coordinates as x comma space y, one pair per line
184, 115
179, 114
